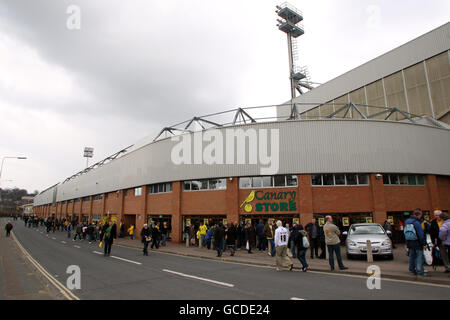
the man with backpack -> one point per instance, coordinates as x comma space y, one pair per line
415, 242
302, 244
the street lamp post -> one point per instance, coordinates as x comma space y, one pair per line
3, 160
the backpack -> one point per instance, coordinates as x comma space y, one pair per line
410, 232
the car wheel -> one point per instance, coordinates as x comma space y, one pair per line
349, 257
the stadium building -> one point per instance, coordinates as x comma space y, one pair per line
370, 144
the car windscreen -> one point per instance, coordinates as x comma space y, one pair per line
366, 230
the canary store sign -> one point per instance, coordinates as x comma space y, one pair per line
259, 201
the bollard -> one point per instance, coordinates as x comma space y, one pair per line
187, 240
369, 251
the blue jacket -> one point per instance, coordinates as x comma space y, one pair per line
419, 231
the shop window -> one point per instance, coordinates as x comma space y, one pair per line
351, 179
86, 199
412, 180
187, 185
328, 180
98, 197
196, 185
217, 184
245, 182
339, 179
386, 179
316, 179
279, 181
267, 182
291, 181
363, 179
138, 192
420, 180
394, 179
403, 179
204, 185
257, 182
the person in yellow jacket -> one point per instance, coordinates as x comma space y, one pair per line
202, 232
131, 232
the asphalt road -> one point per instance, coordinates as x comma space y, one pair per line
127, 274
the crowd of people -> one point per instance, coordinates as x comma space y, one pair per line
289, 242
317, 240
283, 242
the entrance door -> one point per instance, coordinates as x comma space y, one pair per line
161, 219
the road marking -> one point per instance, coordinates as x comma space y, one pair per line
295, 298
53, 238
64, 291
130, 261
63, 242
119, 258
417, 283
77, 247
198, 278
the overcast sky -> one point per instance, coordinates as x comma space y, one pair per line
136, 66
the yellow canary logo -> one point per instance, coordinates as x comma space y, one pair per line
248, 207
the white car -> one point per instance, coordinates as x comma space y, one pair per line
357, 237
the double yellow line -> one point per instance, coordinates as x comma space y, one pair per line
64, 291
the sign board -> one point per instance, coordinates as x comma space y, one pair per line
321, 221
206, 221
248, 221
267, 201
296, 221
224, 221
392, 219
369, 220
188, 222
88, 152
345, 221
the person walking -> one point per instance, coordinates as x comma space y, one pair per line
281, 239
444, 235
69, 230
230, 238
145, 238
333, 242
155, 237
8, 228
269, 232
301, 244
415, 242
109, 233
78, 232
313, 230
388, 227
90, 232
131, 232
292, 236
164, 233
436, 224
249, 237
219, 234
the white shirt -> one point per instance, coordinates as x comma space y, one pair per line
281, 237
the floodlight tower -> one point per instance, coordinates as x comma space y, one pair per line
290, 24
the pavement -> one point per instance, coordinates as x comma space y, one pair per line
392, 269
18, 278
179, 273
